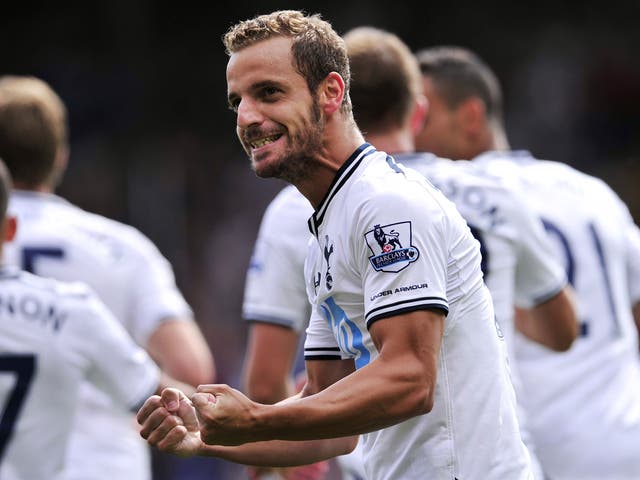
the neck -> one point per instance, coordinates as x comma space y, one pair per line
340, 141
492, 138
398, 141
498, 139
42, 188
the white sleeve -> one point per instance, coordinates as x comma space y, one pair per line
539, 275
633, 262
275, 284
320, 343
631, 233
115, 363
407, 270
154, 295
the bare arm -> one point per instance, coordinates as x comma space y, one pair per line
181, 351
282, 453
270, 354
636, 315
167, 381
552, 323
171, 424
397, 385
269, 359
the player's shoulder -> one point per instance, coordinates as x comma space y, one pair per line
290, 202
391, 186
87, 229
523, 164
384, 175
108, 228
568, 177
45, 286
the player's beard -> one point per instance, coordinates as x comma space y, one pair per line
298, 161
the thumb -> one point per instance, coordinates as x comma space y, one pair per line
202, 399
206, 394
188, 415
171, 398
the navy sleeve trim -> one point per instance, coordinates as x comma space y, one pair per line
415, 303
411, 308
322, 357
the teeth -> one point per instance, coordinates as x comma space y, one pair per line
264, 141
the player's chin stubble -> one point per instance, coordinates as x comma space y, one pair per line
298, 162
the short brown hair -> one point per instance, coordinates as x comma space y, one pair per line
385, 78
458, 74
33, 128
317, 49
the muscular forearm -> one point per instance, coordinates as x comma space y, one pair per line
337, 402
374, 397
277, 453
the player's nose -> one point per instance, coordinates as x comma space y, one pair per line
248, 113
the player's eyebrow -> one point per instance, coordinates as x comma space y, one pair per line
266, 83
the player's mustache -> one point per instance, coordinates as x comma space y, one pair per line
254, 133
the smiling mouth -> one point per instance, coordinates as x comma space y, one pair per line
261, 142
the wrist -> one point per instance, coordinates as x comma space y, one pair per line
263, 420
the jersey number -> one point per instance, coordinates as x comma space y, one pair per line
30, 254
23, 366
570, 268
346, 332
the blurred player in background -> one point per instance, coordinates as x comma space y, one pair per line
402, 345
389, 107
128, 273
53, 336
584, 404
277, 305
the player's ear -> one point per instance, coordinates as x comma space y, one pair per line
331, 93
61, 161
419, 114
9, 228
472, 115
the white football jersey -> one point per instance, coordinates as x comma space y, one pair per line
54, 336
59, 240
390, 243
584, 404
515, 260
633, 238
275, 287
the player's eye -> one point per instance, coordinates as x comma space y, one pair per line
233, 104
270, 93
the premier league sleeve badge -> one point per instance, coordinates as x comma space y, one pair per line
391, 247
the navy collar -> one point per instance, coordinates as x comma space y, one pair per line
342, 175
